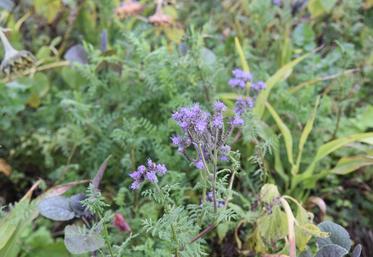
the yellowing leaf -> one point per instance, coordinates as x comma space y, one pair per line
350, 164
268, 192
47, 8
320, 7
244, 64
174, 34
5, 167
34, 101
274, 226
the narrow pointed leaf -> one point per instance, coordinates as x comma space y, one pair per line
284, 131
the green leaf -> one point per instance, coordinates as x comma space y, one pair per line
47, 8
279, 76
285, 133
244, 64
320, 7
334, 145
305, 133
349, 164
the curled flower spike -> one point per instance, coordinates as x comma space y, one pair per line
147, 173
240, 78
129, 8
14, 61
205, 132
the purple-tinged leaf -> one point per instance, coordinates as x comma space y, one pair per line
331, 250
77, 54
357, 251
56, 208
100, 173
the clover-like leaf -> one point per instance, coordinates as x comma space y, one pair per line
80, 240
338, 235
56, 208
332, 250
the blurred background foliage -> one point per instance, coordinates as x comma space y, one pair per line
109, 81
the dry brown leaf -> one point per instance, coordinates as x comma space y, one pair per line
5, 167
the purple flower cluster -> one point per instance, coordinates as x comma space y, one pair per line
204, 132
240, 78
277, 2
148, 172
210, 198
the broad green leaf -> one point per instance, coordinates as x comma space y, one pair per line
349, 164
244, 64
305, 133
279, 76
268, 192
334, 145
284, 131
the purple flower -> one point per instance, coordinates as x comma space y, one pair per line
180, 142
135, 175
224, 151
151, 177
135, 185
199, 164
243, 104
219, 107
240, 78
221, 203
276, 2
237, 121
218, 121
240, 74
161, 169
260, 85
209, 196
234, 82
192, 118
176, 140
148, 172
